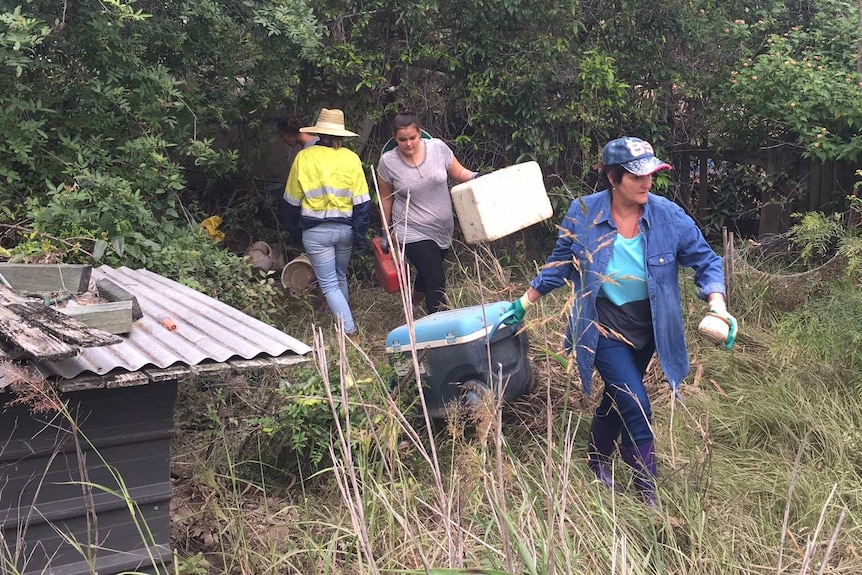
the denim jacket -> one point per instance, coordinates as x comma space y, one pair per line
581, 255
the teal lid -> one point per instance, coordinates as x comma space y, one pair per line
449, 327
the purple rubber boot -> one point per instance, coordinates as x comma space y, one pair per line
641, 458
600, 448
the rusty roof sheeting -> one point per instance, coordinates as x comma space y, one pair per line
207, 331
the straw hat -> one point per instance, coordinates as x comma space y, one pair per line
330, 122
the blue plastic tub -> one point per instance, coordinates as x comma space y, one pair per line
457, 362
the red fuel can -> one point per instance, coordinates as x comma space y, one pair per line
384, 267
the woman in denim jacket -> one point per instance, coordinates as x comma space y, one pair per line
621, 249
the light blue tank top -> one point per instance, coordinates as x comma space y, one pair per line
622, 305
626, 274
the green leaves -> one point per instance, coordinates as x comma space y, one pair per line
816, 234
218, 162
22, 113
801, 87
19, 37
293, 19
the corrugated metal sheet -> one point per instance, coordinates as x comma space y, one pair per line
207, 331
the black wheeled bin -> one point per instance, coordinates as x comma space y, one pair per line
453, 347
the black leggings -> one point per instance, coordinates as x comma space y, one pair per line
427, 257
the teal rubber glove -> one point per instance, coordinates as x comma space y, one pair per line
518, 309
719, 310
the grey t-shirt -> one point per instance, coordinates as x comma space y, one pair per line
428, 214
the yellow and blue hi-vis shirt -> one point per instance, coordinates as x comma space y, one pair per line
326, 185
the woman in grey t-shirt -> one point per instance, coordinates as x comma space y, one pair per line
414, 195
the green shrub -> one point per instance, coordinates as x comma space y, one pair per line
197, 262
297, 434
816, 234
820, 328
819, 237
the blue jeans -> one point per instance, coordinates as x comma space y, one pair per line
328, 247
625, 404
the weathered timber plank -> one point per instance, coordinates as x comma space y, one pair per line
30, 340
74, 278
80, 384
63, 327
241, 365
209, 369
9, 351
88, 382
114, 317
288, 360
112, 292
126, 379
168, 374
8, 295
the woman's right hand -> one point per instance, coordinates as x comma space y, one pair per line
518, 309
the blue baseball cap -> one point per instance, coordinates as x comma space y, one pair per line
633, 154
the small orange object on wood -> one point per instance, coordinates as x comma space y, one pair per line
169, 324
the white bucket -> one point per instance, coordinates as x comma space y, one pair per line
297, 276
262, 247
260, 261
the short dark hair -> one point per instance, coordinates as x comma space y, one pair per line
288, 126
614, 173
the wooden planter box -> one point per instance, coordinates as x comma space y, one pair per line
73, 278
125, 432
115, 316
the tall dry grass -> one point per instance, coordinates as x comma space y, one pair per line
759, 465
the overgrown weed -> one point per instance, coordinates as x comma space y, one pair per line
759, 466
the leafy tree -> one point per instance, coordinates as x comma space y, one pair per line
510, 79
801, 88
22, 114
137, 98
107, 106
110, 103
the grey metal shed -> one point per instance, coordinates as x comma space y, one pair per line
121, 398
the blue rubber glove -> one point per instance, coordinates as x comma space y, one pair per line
518, 310
719, 309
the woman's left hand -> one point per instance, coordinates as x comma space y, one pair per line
718, 308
